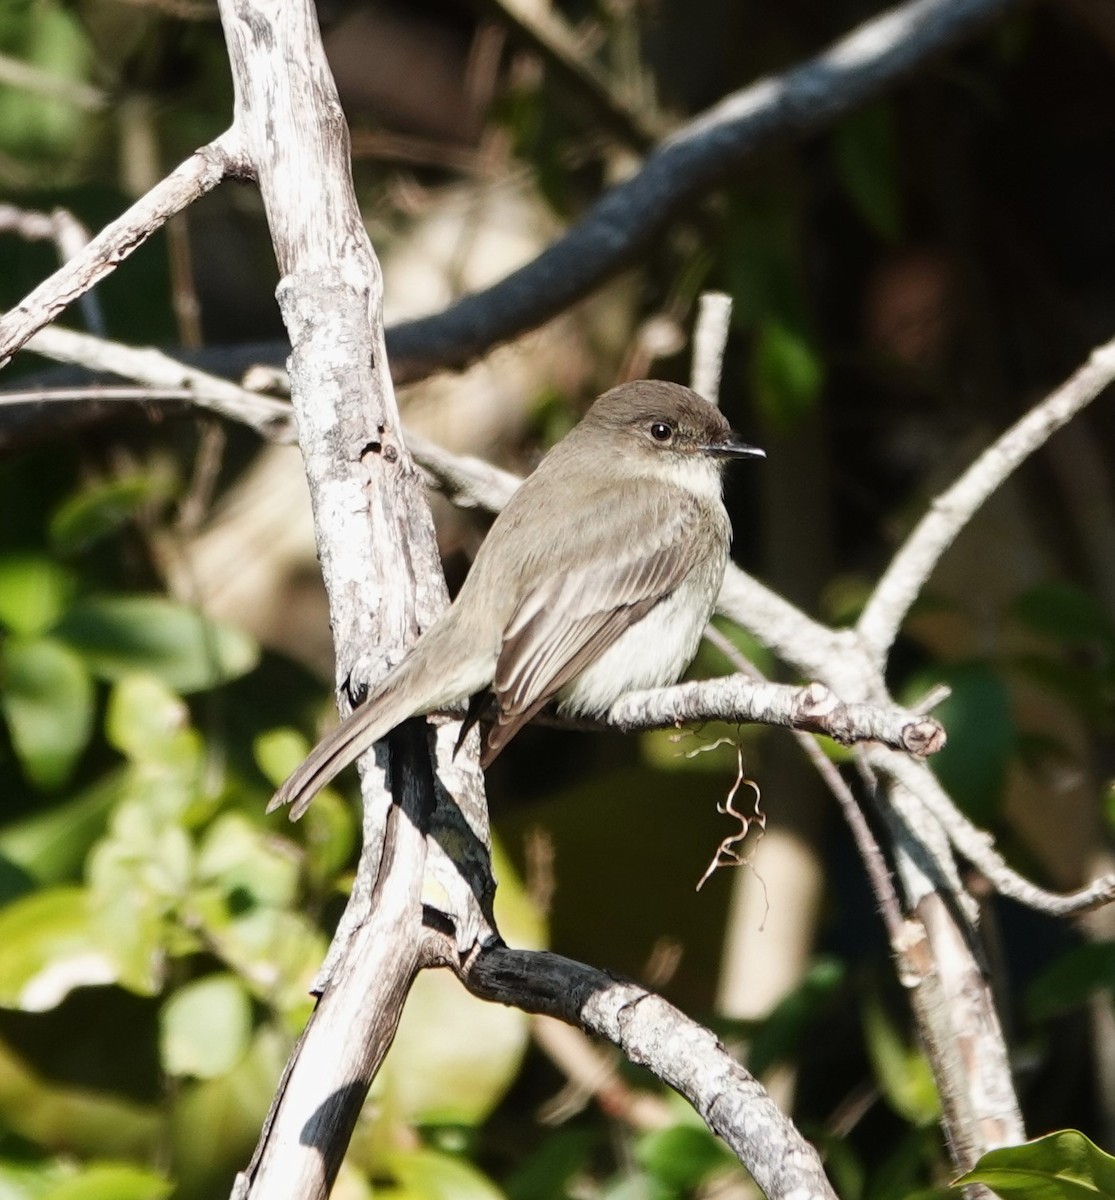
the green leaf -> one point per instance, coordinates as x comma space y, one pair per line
278, 752
865, 150
14, 882
52, 845
221, 1117
276, 953
99, 510
548, 1171
843, 1165
329, 829
1060, 1166
635, 1186
205, 1027
683, 1156
430, 1175
48, 702
251, 866
1072, 980
111, 1181
120, 635
172, 785
979, 718
30, 1180
74, 1120
902, 1073
147, 722
763, 253
139, 877
899, 1166
453, 1056
34, 593
31, 124
787, 373
49, 949
1081, 684
1064, 612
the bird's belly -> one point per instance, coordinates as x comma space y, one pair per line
651, 653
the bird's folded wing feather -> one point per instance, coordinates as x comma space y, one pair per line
573, 616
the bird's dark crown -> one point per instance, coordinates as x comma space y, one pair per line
667, 416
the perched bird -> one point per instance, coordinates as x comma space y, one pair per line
596, 579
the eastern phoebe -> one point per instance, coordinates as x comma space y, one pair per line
597, 579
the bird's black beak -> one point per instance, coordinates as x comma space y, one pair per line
732, 447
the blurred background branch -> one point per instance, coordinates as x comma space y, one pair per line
910, 274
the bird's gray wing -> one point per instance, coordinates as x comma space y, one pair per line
569, 619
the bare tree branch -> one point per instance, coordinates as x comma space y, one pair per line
200, 173
802, 100
272, 419
382, 574
710, 339
913, 564
978, 847
811, 709
680, 1052
959, 1027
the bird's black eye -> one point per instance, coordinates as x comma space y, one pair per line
661, 432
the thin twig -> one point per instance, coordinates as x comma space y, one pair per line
874, 861
810, 709
543, 29
909, 569
978, 847
200, 173
96, 394
594, 1073
69, 236
15, 73
710, 339
466, 481
271, 418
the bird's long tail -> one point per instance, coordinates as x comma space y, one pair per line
359, 731
442, 668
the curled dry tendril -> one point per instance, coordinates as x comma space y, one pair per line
730, 852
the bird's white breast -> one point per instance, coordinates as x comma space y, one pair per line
654, 651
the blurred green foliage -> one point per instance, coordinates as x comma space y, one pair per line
143, 865
42, 129
898, 283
